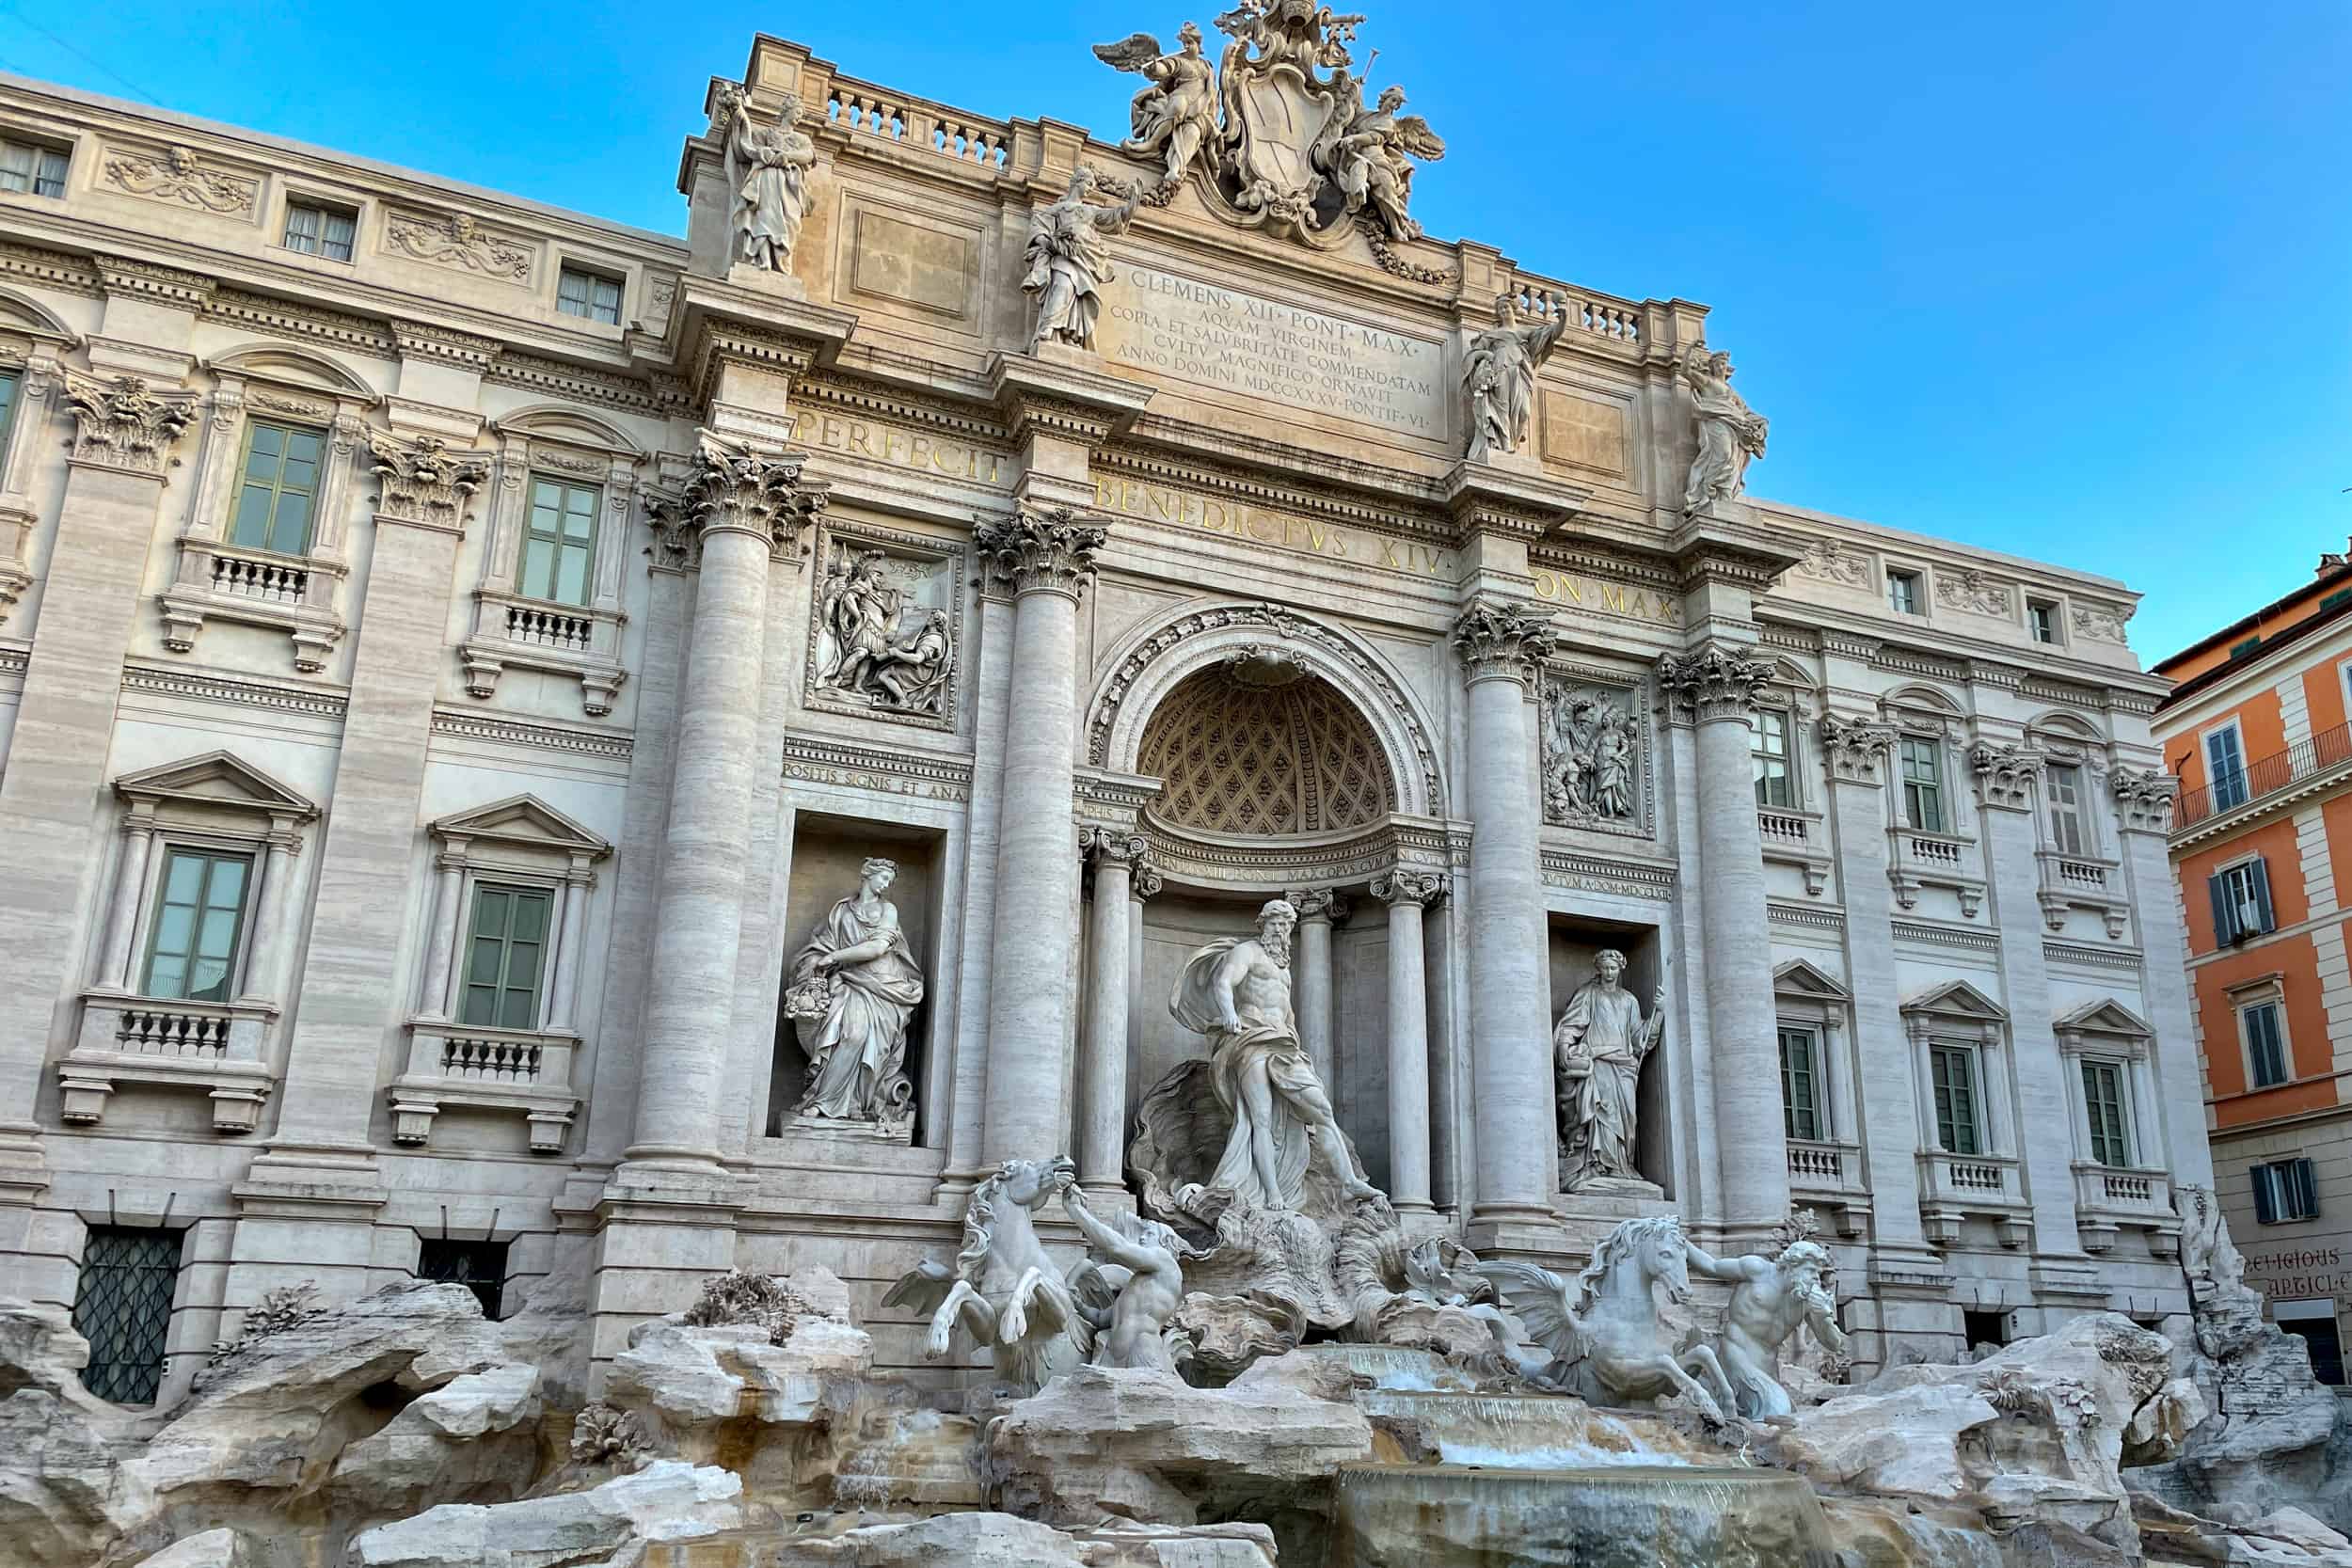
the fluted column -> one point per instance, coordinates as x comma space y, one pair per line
1319, 909
745, 504
1102, 1112
1048, 557
1405, 892
1714, 689
1500, 645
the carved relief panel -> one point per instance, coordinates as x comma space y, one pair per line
886, 632
1596, 752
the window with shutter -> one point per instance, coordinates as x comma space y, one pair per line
2241, 898
1952, 1072
2265, 1044
1802, 1115
2225, 768
2286, 1190
2103, 1103
505, 958
2067, 835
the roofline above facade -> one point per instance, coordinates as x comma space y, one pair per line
2273, 649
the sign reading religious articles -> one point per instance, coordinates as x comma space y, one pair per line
1272, 137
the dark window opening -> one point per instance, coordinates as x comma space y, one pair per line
479, 1266
1984, 1328
2326, 1348
123, 1309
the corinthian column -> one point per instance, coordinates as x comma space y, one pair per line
1714, 689
1103, 1114
1405, 892
1048, 557
745, 505
1501, 646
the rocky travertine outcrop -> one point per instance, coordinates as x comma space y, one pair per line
214, 1548
667, 1500
1118, 1444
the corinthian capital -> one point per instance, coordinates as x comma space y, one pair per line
1046, 552
425, 481
124, 424
2145, 798
1712, 684
1855, 749
1500, 641
734, 487
1405, 885
2005, 774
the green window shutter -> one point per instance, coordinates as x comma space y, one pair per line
199, 914
2342, 595
9, 383
2102, 1104
1955, 1100
277, 487
1800, 1088
506, 957
559, 543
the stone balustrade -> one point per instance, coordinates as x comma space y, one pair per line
866, 110
2110, 1198
1828, 1174
515, 1071
1797, 838
1918, 859
218, 1048
1957, 1187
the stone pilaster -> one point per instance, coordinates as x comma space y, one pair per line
1319, 909
1502, 646
1048, 559
1713, 690
1407, 892
1103, 1111
2144, 800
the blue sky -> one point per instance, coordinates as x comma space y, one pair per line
2067, 279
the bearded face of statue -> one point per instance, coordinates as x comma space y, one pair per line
1274, 934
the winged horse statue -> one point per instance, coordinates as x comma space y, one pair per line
1601, 1328
1003, 1290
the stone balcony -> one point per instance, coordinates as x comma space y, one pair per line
1796, 838
532, 634
1957, 1187
1828, 1174
524, 1072
2111, 1198
215, 1048
1916, 859
2081, 881
296, 594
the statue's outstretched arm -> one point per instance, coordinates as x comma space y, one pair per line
1118, 1248
1712, 1266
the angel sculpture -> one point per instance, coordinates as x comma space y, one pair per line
1601, 1328
1068, 256
1003, 1290
767, 170
1129, 1300
1176, 115
1366, 155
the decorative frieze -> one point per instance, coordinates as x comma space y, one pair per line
425, 481
456, 725
808, 759
1965, 588
1577, 873
1049, 551
1715, 683
124, 425
179, 176
2101, 622
1499, 641
465, 349
1855, 749
457, 241
307, 700
2145, 798
1827, 560
172, 286
886, 632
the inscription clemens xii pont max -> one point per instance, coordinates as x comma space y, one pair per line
1215, 337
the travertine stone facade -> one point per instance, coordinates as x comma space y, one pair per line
624, 596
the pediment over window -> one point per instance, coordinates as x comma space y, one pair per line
1799, 977
216, 779
285, 365
2105, 1017
1957, 999
523, 821
549, 421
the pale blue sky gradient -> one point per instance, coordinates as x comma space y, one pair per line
2068, 279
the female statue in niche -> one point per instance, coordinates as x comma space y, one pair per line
768, 169
852, 989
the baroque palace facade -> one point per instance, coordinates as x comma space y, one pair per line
550, 755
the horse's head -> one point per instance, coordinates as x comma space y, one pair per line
1643, 1250
1664, 1257
1031, 1183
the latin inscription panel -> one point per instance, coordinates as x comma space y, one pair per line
1223, 339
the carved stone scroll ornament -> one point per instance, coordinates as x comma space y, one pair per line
1728, 431
1855, 749
767, 169
124, 424
1049, 551
1069, 258
1965, 589
1499, 374
425, 481
1498, 641
874, 643
1592, 757
2005, 774
1827, 560
852, 990
1712, 684
2145, 798
181, 178
1405, 885
458, 241
2101, 622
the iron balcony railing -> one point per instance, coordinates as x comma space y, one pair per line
2265, 776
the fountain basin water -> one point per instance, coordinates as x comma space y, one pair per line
1611, 1516
1520, 1432
1393, 1367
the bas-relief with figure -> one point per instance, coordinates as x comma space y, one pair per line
874, 644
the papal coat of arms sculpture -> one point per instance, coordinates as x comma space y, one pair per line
1277, 132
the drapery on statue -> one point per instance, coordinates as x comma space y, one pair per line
1176, 115
1729, 430
863, 649
1598, 1049
768, 169
1368, 158
1499, 376
1068, 256
1770, 1298
857, 983
1237, 991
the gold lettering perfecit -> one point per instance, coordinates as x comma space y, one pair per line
901, 449
1614, 598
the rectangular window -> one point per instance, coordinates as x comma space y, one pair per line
2245, 649
277, 485
10, 381
1902, 592
123, 1307
2241, 901
30, 169
1774, 787
316, 230
2265, 1044
199, 919
506, 957
1952, 1069
1802, 1115
2103, 1103
560, 545
2068, 834
587, 294
2042, 617
2286, 1190
1922, 764
2225, 768
2316, 1322
2341, 596
479, 1266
